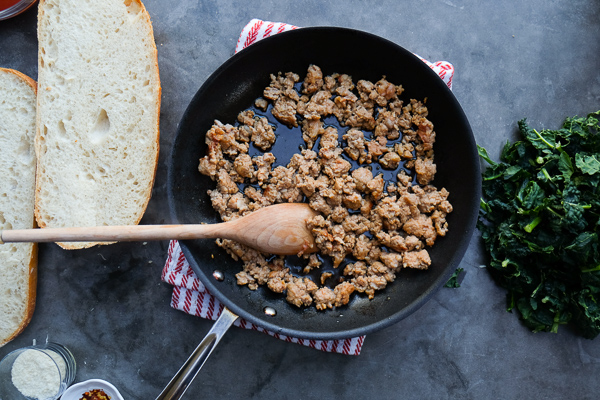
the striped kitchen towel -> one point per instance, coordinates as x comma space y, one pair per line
258, 29
190, 295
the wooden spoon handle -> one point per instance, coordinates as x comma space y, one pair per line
112, 233
277, 229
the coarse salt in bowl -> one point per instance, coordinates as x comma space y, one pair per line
38, 372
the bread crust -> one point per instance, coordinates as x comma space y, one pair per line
146, 16
24, 77
33, 258
153, 164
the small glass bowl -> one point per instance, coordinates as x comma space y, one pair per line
18, 8
50, 358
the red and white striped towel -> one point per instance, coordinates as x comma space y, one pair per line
258, 29
190, 295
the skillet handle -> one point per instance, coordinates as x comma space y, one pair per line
186, 374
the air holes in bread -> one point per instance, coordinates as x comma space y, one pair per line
89, 177
133, 7
62, 131
25, 153
100, 130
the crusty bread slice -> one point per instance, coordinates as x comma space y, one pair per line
18, 261
98, 113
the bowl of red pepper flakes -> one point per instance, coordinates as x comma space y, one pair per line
93, 389
95, 394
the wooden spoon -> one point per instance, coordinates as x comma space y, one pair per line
277, 229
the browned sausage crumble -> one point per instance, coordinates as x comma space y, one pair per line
377, 226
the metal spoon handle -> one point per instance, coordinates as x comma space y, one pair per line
186, 374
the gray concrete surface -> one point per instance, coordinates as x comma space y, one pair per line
514, 59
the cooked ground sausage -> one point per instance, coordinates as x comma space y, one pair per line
370, 228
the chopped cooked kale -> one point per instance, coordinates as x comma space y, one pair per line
539, 220
453, 281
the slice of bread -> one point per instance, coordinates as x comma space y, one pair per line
98, 114
18, 261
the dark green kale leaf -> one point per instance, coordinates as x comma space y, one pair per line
539, 220
588, 164
453, 281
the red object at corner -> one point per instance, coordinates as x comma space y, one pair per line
4, 4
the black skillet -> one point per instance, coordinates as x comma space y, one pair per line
234, 87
